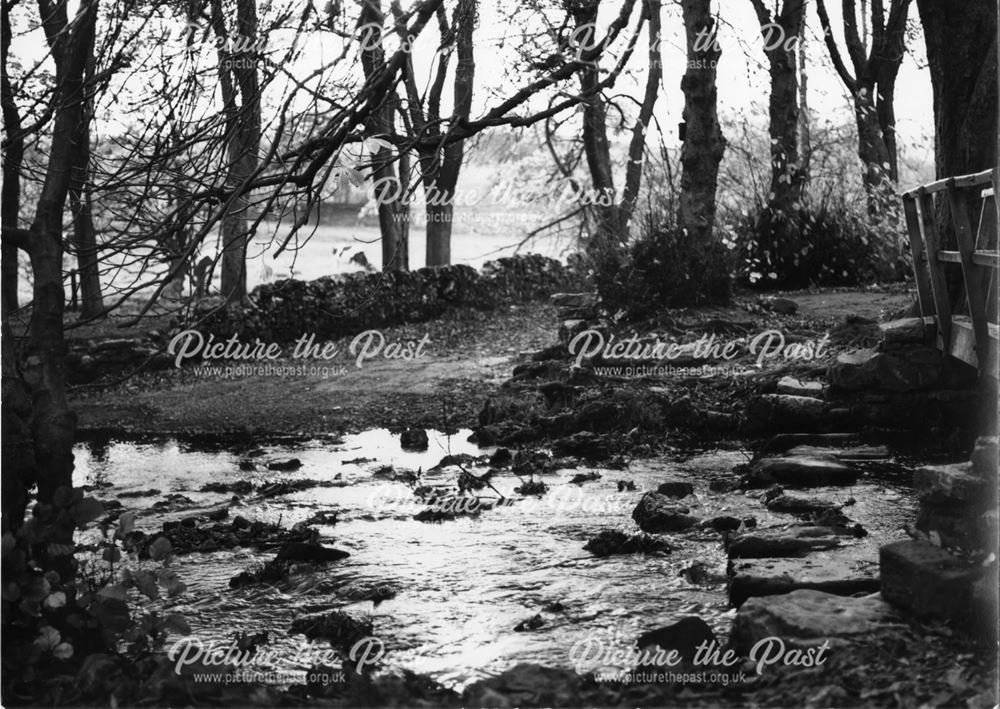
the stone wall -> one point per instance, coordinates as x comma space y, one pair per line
342, 305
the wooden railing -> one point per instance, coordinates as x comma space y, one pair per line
965, 309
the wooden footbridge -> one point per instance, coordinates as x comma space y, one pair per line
958, 288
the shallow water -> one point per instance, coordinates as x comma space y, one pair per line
461, 586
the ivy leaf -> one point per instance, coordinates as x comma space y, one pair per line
55, 600
126, 523
146, 583
63, 651
159, 549
176, 623
48, 638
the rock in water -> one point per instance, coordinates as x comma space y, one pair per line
657, 513
683, 637
414, 439
801, 471
304, 551
675, 488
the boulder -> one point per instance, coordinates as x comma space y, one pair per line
657, 513
612, 541
801, 471
928, 581
900, 370
675, 488
783, 442
797, 540
336, 627
285, 465
843, 572
807, 618
799, 387
796, 504
854, 370
953, 484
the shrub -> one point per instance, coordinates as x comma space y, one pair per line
831, 244
663, 268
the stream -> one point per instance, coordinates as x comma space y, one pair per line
461, 586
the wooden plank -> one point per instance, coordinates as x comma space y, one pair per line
972, 273
925, 298
980, 258
976, 178
963, 347
939, 287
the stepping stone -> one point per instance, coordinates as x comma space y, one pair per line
954, 484
801, 471
796, 504
799, 387
908, 331
928, 581
900, 370
855, 453
784, 442
796, 540
657, 513
844, 572
808, 618
786, 413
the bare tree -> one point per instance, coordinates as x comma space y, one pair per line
780, 32
703, 144
872, 86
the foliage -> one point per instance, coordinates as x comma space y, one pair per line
829, 244
57, 612
662, 268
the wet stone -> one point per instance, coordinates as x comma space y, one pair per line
799, 387
843, 572
846, 454
610, 542
796, 540
957, 483
801, 471
414, 439
806, 618
658, 513
675, 488
785, 413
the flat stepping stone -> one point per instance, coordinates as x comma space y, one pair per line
784, 413
801, 471
796, 540
801, 387
843, 572
900, 370
928, 581
797, 504
853, 453
807, 618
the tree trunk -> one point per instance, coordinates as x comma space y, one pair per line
608, 236
13, 156
393, 212
703, 145
441, 178
84, 233
961, 42
243, 123
786, 170
874, 153
805, 130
